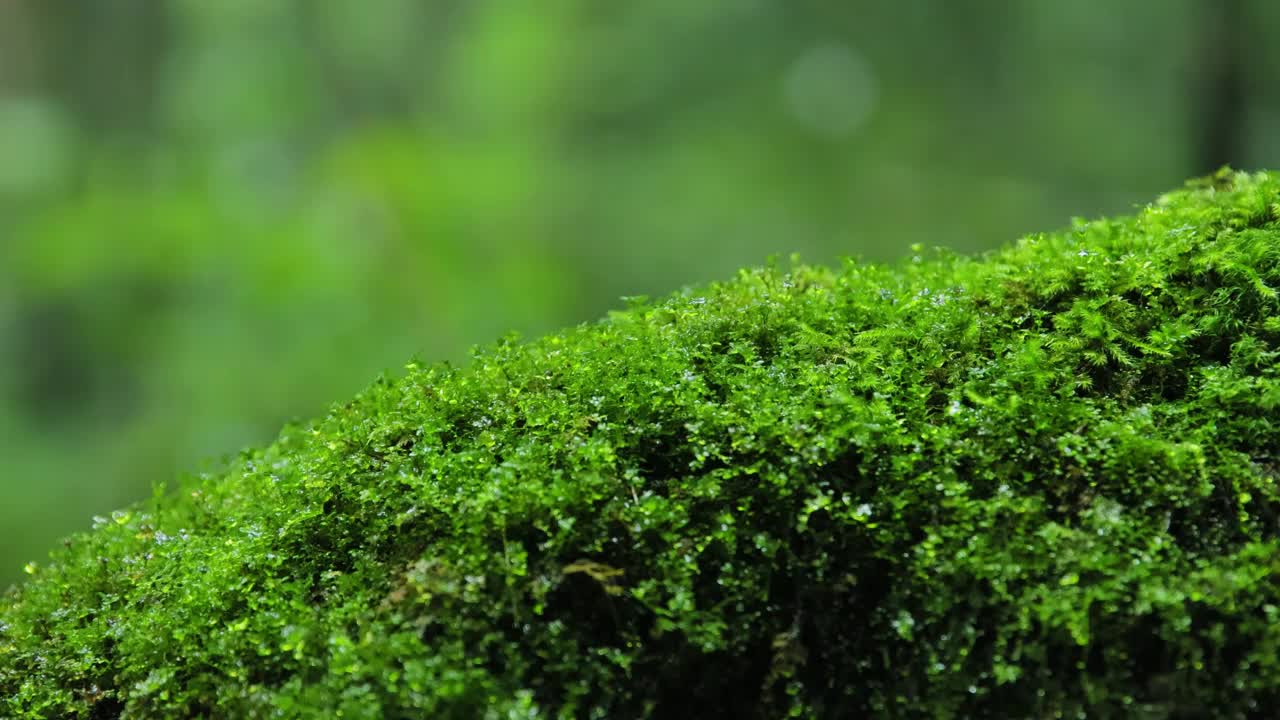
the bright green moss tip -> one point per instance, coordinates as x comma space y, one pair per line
1039, 483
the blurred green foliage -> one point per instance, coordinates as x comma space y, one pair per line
218, 216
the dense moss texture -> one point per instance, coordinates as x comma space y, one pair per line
1034, 484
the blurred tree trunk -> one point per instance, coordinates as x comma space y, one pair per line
19, 48
104, 60
1222, 96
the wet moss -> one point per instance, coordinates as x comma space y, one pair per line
1038, 483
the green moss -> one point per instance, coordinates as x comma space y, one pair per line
1030, 484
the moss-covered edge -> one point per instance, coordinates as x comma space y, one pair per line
1037, 483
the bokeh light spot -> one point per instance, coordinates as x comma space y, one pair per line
831, 90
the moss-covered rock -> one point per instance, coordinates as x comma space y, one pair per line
1040, 483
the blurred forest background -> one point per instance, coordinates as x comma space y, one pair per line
217, 216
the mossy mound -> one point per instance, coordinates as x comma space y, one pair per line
1040, 483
